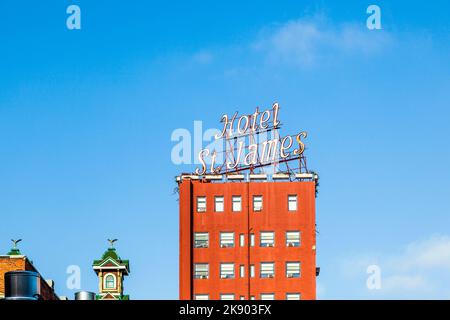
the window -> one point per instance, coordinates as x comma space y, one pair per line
201, 271
292, 296
227, 296
267, 296
252, 271
292, 202
257, 203
227, 270
293, 238
252, 297
201, 204
201, 240
293, 269
242, 298
218, 204
252, 240
237, 203
242, 240
201, 297
227, 239
242, 271
110, 281
267, 270
267, 239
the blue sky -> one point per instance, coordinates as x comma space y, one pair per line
86, 118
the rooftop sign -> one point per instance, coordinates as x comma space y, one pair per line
248, 145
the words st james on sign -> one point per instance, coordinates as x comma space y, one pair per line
257, 154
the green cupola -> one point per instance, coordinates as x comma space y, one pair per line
111, 270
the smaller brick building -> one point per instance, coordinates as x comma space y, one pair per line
15, 261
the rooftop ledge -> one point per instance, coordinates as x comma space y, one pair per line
250, 177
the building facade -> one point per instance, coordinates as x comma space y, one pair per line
14, 260
111, 270
243, 238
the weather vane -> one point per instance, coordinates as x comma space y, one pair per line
111, 242
15, 242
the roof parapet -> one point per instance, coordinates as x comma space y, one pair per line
311, 176
259, 176
236, 177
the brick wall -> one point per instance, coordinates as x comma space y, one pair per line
21, 263
274, 217
9, 264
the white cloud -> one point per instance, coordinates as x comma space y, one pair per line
307, 42
405, 283
203, 57
419, 270
429, 254
354, 266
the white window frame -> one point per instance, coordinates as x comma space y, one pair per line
252, 271
236, 205
252, 239
201, 274
226, 296
291, 274
292, 202
242, 240
242, 271
201, 297
226, 241
227, 270
267, 270
201, 208
267, 296
256, 207
293, 296
201, 235
291, 241
267, 239
219, 204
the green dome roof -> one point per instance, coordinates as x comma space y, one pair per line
14, 252
110, 253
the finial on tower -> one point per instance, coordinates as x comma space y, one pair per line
14, 250
15, 242
111, 242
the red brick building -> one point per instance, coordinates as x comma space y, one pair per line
15, 261
247, 239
